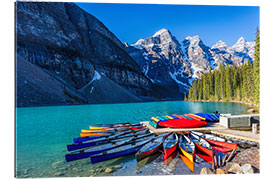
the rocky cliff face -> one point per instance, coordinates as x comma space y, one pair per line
72, 45
161, 59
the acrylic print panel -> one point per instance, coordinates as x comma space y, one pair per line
88, 75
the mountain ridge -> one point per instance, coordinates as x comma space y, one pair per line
196, 57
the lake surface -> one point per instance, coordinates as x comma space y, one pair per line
42, 134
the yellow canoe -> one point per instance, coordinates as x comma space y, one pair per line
94, 130
169, 117
155, 119
186, 154
98, 127
85, 134
187, 162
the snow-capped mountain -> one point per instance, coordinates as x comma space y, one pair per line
198, 54
164, 60
241, 52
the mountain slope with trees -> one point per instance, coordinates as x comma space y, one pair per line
231, 82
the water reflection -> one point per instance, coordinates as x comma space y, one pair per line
147, 160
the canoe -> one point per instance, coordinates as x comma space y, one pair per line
226, 145
187, 117
187, 162
169, 117
165, 118
206, 116
104, 140
201, 144
187, 147
209, 136
202, 118
193, 117
115, 126
111, 130
169, 146
151, 147
155, 119
83, 139
98, 130
221, 149
93, 134
181, 123
161, 118
86, 153
175, 116
84, 134
127, 149
153, 123
111, 125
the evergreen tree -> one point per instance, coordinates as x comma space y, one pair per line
228, 83
256, 70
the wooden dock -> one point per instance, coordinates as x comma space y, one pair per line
213, 128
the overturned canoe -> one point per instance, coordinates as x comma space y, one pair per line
181, 123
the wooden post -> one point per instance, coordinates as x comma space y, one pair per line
254, 128
231, 155
224, 160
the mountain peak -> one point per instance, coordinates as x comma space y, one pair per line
194, 40
162, 31
220, 44
241, 40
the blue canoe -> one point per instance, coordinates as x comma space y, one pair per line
151, 148
103, 140
86, 153
206, 116
114, 143
127, 149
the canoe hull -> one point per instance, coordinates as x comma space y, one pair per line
222, 144
187, 155
182, 123
207, 151
104, 157
148, 153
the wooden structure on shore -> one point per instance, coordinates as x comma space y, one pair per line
226, 127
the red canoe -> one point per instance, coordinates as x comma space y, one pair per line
193, 117
169, 146
182, 123
226, 145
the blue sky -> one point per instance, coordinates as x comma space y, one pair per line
130, 22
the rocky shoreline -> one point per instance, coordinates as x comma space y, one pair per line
246, 161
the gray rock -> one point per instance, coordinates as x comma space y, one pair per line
235, 168
108, 170
221, 171
206, 170
247, 169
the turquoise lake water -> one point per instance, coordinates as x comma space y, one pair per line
42, 134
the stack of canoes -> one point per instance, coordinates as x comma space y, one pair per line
125, 139
112, 140
183, 121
